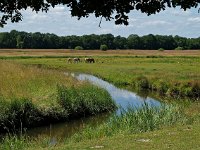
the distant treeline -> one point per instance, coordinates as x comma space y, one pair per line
15, 39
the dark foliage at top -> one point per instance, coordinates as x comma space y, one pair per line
108, 9
38, 40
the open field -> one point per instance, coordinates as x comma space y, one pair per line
61, 52
173, 76
170, 73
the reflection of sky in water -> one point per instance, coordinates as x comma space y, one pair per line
123, 98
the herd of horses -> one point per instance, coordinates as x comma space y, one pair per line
77, 60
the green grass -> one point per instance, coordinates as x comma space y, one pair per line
169, 76
135, 120
31, 96
135, 124
181, 137
176, 138
174, 128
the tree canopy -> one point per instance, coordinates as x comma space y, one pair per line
108, 9
16, 39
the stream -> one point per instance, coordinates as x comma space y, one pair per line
123, 98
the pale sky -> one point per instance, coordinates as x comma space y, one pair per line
59, 21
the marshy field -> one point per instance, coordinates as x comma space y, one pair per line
39, 88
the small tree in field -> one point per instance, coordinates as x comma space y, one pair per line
78, 48
179, 48
161, 49
103, 47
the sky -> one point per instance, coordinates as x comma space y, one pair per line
59, 21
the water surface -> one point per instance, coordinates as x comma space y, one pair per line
122, 97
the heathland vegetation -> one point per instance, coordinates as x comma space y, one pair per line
24, 40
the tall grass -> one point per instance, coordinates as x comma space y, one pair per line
131, 121
31, 97
14, 143
84, 100
134, 120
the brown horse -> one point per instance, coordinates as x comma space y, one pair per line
89, 60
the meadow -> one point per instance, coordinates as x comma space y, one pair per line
173, 75
30, 96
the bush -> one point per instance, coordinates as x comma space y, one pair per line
179, 48
78, 48
161, 49
103, 47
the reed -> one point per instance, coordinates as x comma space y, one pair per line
134, 120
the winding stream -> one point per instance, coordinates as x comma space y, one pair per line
122, 97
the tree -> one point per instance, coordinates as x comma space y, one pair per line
181, 41
78, 48
149, 42
166, 42
90, 41
20, 42
100, 8
120, 42
107, 39
16, 39
104, 47
134, 41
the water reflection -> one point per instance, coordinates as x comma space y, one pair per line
61, 131
123, 98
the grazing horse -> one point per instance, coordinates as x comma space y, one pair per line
77, 60
70, 60
89, 60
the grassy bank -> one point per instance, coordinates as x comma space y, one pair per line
175, 76
135, 128
30, 97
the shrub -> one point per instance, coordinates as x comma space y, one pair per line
78, 48
103, 47
161, 49
179, 48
